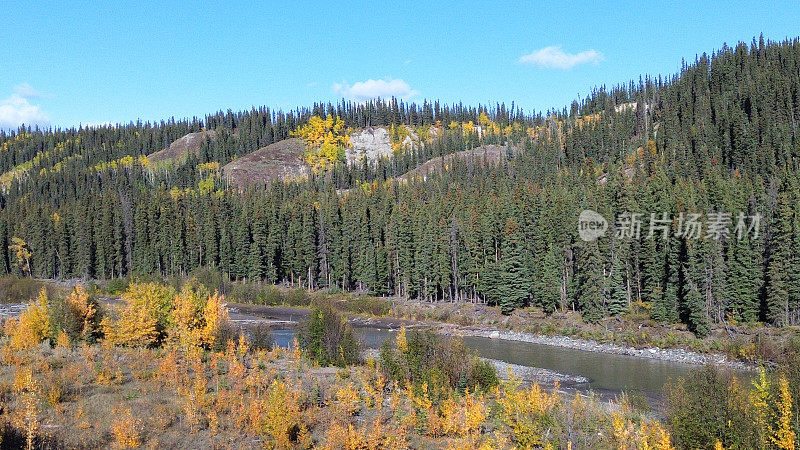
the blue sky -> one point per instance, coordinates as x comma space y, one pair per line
65, 63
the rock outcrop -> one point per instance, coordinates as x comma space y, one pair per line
182, 147
372, 143
276, 162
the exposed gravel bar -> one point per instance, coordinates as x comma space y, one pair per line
536, 374
672, 354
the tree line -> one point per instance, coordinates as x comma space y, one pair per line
718, 137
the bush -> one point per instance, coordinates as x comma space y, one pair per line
443, 363
14, 289
707, 406
260, 337
117, 286
328, 339
78, 315
366, 304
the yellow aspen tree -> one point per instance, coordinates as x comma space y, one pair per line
215, 315
402, 343
33, 326
22, 253
84, 309
784, 436
759, 400
27, 419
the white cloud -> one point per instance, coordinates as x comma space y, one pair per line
366, 90
27, 91
554, 58
16, 110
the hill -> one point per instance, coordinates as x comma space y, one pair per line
276, 162
484, 155
182, 147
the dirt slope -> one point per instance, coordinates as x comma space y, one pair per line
182, 147
492, 154
279, 161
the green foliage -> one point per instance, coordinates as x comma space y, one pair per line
710, 406
327, 339
440, 363
498, 226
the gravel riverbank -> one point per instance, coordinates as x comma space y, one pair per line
672, 354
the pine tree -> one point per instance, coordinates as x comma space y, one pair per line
590, 283
512, 284
617, 292
547, 286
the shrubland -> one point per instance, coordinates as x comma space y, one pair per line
159, 369
166, 368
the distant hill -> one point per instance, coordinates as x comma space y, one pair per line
182, 147
279, 161
489, 154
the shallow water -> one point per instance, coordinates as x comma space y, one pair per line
607, 372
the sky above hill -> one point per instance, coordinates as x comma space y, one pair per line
70, 63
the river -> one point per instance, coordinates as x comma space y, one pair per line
606, 372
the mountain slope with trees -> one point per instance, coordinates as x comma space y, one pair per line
719, 137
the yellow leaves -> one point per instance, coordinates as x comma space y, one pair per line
463, 416
126, 161
483, 119
33, 325
402, 343
215, 315
277, 416
468, 127
62, 341
759, 399
126, 429
144, 318
783, 436
22, 253
212, 166
187, 318
651, 147
191, 319
27, 416
175, 193
348, 400
525, 412
83, 309
206, 185
647, 436
325, 141
135, 328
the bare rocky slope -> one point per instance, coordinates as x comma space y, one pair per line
279, 161
490, 154
182, 147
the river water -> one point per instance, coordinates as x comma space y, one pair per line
607, 372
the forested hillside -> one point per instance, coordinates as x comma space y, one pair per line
721, 136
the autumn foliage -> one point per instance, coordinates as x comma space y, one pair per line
325, 141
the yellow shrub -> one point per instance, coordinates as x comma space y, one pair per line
26, 418
526, 412
215, 316
125, 429
33, 325
145, 318
783, 436
277, 416
80, 305
348, 399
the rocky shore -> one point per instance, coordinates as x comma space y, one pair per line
544, 377
672, 354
